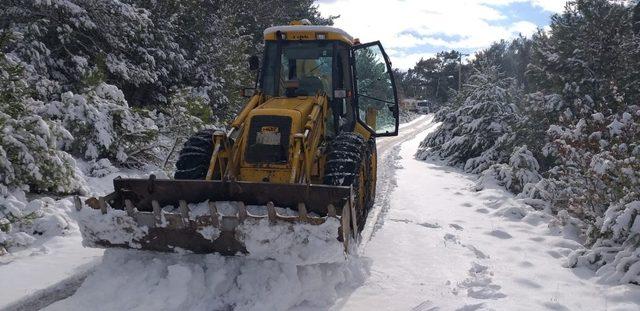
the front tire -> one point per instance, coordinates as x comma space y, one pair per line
346, 165
193, 162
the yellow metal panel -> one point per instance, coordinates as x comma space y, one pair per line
306, 113
362, 131
302, 103
309, 35
253, 102
265, 174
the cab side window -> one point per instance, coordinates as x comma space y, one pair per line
376, 94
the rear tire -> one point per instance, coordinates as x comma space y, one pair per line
193, 162
347, 166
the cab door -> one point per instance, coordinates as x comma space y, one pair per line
375, 90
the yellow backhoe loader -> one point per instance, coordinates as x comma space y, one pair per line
304, 141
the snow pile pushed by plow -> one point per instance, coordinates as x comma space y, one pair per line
142, 280
287, 265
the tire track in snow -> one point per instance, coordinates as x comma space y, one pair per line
45, 297
388, 149
445, 245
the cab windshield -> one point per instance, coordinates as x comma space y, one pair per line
305, 68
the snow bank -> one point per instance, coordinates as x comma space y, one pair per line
138, 280
23, 222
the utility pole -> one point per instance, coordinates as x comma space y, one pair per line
460, 71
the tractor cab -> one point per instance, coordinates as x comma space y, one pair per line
301, 60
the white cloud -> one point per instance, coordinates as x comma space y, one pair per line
523, 27
409, 25
555, 6
404, 60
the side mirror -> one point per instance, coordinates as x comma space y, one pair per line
254, 62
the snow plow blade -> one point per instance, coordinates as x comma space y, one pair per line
168, 215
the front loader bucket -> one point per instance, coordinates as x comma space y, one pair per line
208, 216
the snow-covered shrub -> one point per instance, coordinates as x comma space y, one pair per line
187, 113
610, 172
23, 221
101, 168
541, 195
522, 169
103, 125
29, 154
615, 254
480, 132
598, 161
539, 112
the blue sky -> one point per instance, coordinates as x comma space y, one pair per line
413, 29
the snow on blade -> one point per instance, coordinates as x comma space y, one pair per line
114, 226
294, 243
286, 242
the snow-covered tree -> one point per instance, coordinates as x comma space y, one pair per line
480, 132
590, 63
102, 123
29, 154
580, 123
591, 59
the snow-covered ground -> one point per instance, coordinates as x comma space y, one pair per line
432, 243
441, 245
54, 260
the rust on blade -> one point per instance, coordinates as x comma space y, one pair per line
242, 211
129, 207
302, 212
331, 210
172, 230
103, 205
169, 192
157, 214
271, 212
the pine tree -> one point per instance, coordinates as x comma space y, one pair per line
29, 155
480, 132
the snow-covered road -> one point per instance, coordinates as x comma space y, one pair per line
432, 242
438, 244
